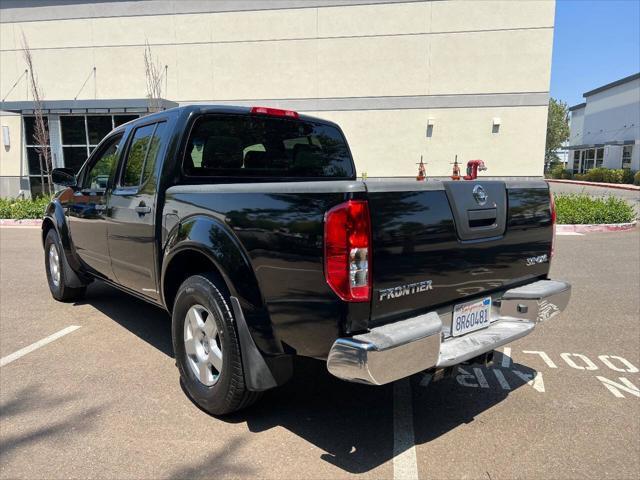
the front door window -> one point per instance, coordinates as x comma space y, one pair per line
97, 177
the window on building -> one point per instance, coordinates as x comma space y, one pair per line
122, 119
74, 131
588, 159
576, 161
82, 133
36, 162
98, 127
627, 153
599, 157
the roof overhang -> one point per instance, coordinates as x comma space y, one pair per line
630, 78
127, 105
619, 143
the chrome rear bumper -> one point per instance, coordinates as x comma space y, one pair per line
403, 348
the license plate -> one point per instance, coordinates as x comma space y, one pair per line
471, 316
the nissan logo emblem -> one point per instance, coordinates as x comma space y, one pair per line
480, 195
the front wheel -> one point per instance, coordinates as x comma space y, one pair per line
56, 278
207, 349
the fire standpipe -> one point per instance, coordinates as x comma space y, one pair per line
473, 166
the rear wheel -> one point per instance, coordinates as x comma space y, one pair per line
54, 266
207, 349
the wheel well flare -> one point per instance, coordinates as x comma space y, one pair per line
183, 265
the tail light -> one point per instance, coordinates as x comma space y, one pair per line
274, 112
552, 207
347, 250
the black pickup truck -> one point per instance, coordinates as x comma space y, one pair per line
250, 227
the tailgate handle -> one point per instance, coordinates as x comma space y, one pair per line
482, 218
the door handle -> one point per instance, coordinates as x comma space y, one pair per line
142, 209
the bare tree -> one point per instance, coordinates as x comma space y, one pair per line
41, 133
153, 72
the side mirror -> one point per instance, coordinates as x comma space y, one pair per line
64, 177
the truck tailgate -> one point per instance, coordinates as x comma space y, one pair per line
437, 243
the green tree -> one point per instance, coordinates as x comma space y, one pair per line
557, 129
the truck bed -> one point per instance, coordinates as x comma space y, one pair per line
415, 238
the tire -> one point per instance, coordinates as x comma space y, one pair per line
56, 278
217, 388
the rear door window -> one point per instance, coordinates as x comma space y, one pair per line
262, 146
142, 156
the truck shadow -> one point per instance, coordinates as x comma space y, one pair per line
351, 423
149, 323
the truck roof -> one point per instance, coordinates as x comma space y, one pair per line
230, 109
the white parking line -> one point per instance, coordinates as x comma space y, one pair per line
34, 346
570, 233
506, 357
405, 465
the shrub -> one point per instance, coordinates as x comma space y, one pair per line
596, 175
556, 171
627, 176
583, 209
23, 208
567, 175
636, 178
614, 176
606, 175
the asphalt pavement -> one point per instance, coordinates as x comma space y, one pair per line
104, 401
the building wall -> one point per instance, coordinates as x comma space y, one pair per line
11, 167
610, 116
576, 127
613, 114
383, 70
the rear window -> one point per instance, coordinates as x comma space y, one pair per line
260, 146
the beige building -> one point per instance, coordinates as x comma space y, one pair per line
403, 78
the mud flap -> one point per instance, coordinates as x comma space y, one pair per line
257, 375
72, 278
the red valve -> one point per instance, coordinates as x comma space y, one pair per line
455, 175
422, 171
473, 166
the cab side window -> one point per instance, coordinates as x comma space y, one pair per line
142, 156
99, 172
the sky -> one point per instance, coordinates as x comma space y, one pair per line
595, 42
